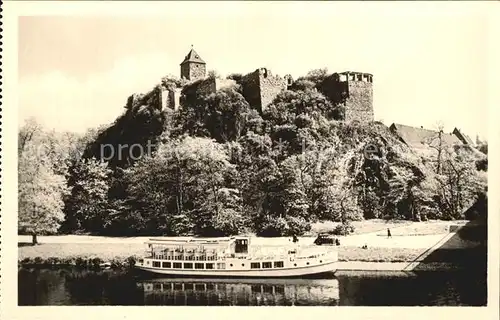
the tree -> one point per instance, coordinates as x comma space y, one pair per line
184, 185
213, 74
30, 130
459, 183
41, 194
316, 76
437, 143
41, 187
222, 116
87, 204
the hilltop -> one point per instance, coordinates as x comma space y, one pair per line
262, 154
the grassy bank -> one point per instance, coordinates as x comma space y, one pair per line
83, 254
55, 253
398, 227
463, 247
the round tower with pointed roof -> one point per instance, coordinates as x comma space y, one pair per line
193, 67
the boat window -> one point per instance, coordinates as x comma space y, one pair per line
209, 266
156, 264
198, 265
221, 265
278, 264
241, 246
178, 257
165, 264
267, 265
255, 265
267, 289
199, 287
141, 260
177, 265
188, 265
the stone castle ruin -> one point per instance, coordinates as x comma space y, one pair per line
353, 90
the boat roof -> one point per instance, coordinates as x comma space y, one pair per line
192, 240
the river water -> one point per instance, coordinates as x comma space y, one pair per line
85, 287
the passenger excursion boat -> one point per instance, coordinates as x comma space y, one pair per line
233, 257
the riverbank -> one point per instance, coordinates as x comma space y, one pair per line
428, 252
121, 252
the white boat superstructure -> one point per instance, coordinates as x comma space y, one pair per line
233, 257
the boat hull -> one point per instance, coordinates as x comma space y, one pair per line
271, 273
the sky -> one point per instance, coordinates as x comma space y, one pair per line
429, 66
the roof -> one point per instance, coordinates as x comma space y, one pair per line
463, 137
356, 72
194, 240
421, 138
192, 56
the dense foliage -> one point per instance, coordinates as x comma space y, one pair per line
218, 167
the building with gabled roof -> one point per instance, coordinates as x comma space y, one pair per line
426, 142
463, 137
418, 137
193, 67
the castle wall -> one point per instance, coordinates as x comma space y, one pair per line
270, 87
206, 86
359, 103
169, 98
211, 85
334, 90
224, 83
163, 98
174, 99
261, 87
251, 90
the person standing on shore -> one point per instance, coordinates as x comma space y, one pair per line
389, 233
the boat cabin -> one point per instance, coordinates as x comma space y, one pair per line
232, 256
198, 249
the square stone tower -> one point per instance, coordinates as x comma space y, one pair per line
354, 90
193, 67
261, 87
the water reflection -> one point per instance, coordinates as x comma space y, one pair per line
242, 292
84, 287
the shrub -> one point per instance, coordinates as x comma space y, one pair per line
79, 262
283, 226
343, 229
52, 261
131, 262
